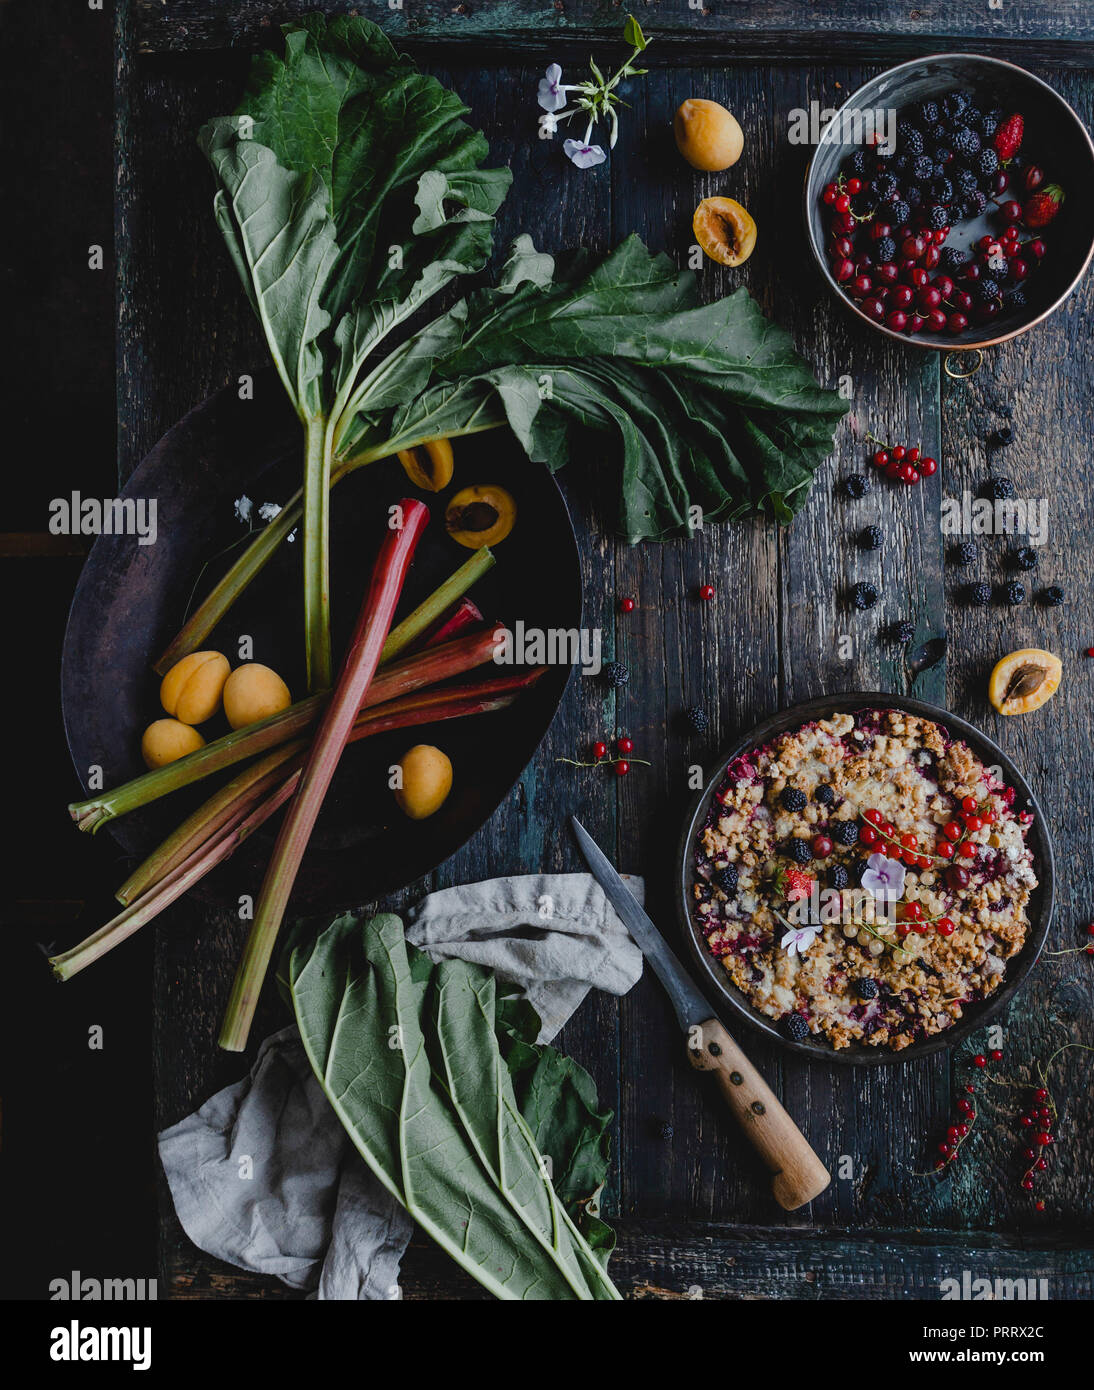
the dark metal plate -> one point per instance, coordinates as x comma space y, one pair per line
131, 599
1041, 903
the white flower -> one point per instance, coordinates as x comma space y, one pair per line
243, 506
884, 877
551, 93
799, 939
583, 155
269, 510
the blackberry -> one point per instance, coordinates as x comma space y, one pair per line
963, 553
938, 170
824, 795
1053, 596
798, 850
952, 258
913, 195
937, 218
901, 631
923, 167
902, 163
616, 674
838, 877
696, 717
793, 798
665, 1130
870, 538
1001, 437
966, 182
908, 134
795, 1027
863, 595
1014, 593
998, 490
987, 162
966, 143
857, 485
885, 185
975, 204
972, 117
978, 595
943, 190
1015, 299
727, 879
986, 289
844, 832
928, 113
989, 123
884, 250
900, 212
954, 104
857, 162
943, 155
1025, 558
866, 988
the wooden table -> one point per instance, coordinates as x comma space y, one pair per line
693, 1210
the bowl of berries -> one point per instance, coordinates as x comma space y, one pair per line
945, 201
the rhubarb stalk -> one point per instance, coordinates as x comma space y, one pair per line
256, 800
413, 672
377, 612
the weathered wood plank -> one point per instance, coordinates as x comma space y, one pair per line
665, 1260
867, 30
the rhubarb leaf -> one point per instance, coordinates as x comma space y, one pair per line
712, 405
407, 1052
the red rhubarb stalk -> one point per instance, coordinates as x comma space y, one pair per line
465, 615
377, 612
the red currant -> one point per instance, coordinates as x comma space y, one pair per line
945, 926
881, 458
1037, 249
854, 185
874, 816
973, 824
944, 850
626, 605
622, 767
899, 451
706, 592
957, 323
843, 203
625, 745
868, 835
968, 804
600, 750
1039, 1205
951, 830
980, 1060
1027, 1184
1043, 1094
996, 1054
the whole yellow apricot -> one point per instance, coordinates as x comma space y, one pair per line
253, 692
167, 740
426, 781
707, 135
191, 690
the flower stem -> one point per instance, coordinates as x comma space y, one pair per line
388, 576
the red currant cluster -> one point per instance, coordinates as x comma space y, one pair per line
1037, 1120
621, 761
901, 463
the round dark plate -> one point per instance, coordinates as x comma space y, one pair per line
1040, 908
1054, 134
131, 599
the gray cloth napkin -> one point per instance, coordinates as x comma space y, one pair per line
265, 1177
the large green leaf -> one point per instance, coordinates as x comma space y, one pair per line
408, 1055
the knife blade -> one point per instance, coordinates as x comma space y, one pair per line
690, 1006
798, 1175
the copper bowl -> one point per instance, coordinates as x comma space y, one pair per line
1053, 134
975, 1015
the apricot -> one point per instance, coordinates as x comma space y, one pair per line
167, 740
253, 692
425, 781
480, 515
707, 135
1024, 680
191, 690
429, 465
725, 230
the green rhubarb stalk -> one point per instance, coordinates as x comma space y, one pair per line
373, 626
258, 802
317, 469
424, 707
422, 669
145, 908
427, 613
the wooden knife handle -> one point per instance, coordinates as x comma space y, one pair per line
799, 1174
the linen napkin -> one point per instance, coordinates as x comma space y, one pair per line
264, 1176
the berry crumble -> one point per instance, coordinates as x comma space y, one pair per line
864, 877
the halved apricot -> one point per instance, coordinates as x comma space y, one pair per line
429, 465
1024, 680
725, 230
480, 515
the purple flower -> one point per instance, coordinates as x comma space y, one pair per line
799, 939
884, 877
551, 93
583, 155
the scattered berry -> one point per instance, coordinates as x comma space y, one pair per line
824, 795
798, 850
963, 553
626, 605
844, 832
706, 592
822, 846
866, 988
978, 595
870, 538
902, 631
1014, 593
697, 718
857, 485
1053, 596
727, 879
998, 490
1025, 558
616, 674
838, 876
793, 798
795, 1027
863, 595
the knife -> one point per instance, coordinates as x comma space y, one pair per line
798, 1174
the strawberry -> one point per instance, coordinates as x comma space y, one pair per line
1008, 138
1042, 207
795, 883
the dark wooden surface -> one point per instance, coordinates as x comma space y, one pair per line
693, 1210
